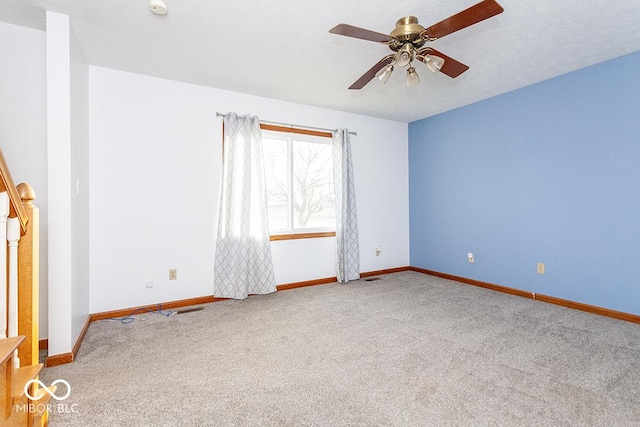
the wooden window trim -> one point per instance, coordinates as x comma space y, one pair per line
294, 236
296, 130
302, 235
288, 130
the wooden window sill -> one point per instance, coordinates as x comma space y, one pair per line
301, 236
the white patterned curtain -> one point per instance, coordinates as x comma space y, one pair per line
243, 262
348, 252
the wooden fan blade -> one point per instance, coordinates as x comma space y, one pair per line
359, 33
366, 77
451, 67
481, 11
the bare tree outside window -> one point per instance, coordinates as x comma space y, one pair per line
277, 183
313, 202
299, 177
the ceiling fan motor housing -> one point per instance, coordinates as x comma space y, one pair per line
407, 30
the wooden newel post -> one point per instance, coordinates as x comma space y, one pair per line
28, 279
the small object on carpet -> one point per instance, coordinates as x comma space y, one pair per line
188, 310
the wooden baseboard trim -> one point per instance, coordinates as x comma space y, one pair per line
43, 344
387, 271
473, 282
83, 332
620, 315
540, 297
334, 279
207, 299
306, 283
114, 314
61, 359
58, 359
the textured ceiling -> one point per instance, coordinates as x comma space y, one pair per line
283, 49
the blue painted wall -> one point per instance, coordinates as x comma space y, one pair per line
548, 173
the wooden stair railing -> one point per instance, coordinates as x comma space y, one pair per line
21, 208
19, 293
29, 279
17, 408
16, 207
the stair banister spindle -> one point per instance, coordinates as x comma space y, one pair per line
13, 236
4, 213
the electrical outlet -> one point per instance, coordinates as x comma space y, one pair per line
378, 250
470, 257
173, 274
148, 283
541, 268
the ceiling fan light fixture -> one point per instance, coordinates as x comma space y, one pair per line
159, 7
412, 77
405, 55
434, 63
385, 73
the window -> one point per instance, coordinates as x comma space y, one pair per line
299, 181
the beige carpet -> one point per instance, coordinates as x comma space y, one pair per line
407, 350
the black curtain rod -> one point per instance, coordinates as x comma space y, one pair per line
293, 126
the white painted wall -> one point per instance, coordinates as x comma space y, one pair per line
303, 259
155, 164
67, 134
80, 185
59, 180
23, 126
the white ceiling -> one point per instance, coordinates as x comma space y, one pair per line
282, 49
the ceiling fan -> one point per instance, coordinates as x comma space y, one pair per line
407, 40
